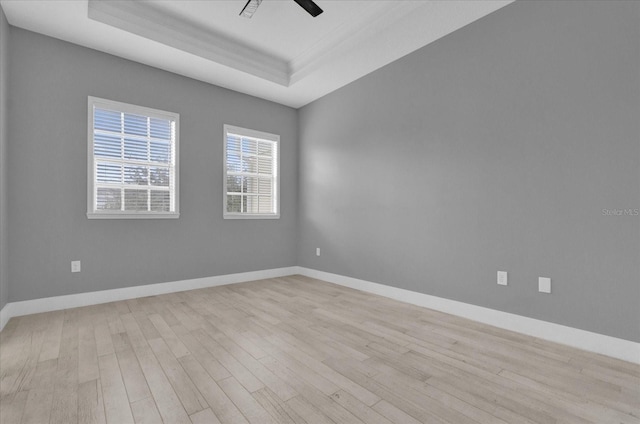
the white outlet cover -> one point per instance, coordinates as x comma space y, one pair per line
502, 278
75, 266
544, 285
317, 251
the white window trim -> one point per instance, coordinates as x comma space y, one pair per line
91, 177
276, 186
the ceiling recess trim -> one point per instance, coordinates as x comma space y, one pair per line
153, 34
350, 38
144, 20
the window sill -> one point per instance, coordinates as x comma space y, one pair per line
133, 215
250, 216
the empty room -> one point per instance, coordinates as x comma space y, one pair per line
319, 212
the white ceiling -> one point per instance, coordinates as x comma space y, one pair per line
281, 54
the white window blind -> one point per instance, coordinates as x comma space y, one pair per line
132, 161
251, 173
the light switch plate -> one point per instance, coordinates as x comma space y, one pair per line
502, 278
544, 285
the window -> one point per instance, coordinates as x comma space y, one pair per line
133, 161
251, 174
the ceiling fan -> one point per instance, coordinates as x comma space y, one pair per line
252, 5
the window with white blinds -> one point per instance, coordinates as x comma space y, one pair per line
133, 161
251, 174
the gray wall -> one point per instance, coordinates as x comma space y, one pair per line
494, 148
4, 48
50, 82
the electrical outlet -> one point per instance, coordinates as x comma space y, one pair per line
75, 266
544, 285
502, 278
317, 251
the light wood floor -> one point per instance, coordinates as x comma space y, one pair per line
296, 350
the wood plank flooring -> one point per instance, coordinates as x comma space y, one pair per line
295, 350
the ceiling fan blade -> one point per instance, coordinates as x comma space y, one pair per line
308, 5
250, 8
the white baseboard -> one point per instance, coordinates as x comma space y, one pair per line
27, 307
581, 339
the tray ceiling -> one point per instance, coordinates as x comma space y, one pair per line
281, 54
